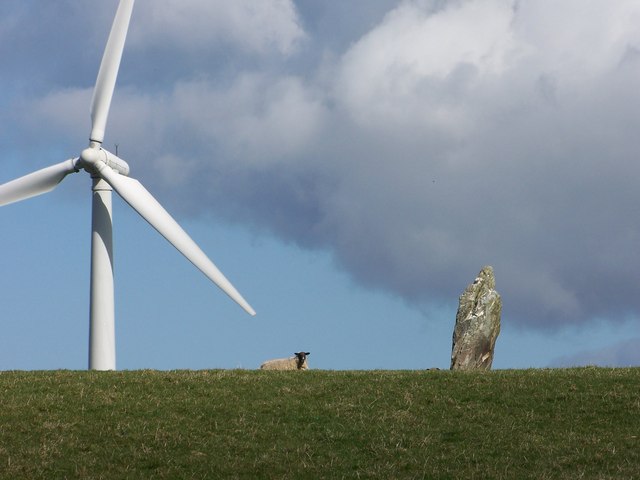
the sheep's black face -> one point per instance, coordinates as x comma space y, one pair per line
300, 358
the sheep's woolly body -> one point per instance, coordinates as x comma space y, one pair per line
285, 364
281, 364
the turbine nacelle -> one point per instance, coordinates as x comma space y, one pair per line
93, 159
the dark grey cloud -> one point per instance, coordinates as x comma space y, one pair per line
416, 142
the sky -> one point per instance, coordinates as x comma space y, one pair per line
350, 167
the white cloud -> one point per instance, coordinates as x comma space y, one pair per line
258, 120
59, 117
259, 27
621, 354
406, 69
578, 39
450, 136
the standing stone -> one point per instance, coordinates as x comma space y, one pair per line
477, 324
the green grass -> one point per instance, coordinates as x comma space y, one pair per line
575, 423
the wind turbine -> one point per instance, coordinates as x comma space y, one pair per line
108, 173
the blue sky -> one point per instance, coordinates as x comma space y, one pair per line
350, 166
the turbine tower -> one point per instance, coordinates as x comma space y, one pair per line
108, 173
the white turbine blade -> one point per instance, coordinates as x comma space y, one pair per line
36, 183
106, 81
148, 207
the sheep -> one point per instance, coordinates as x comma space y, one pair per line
299, 362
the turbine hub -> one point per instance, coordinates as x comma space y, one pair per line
90, 156
97, 158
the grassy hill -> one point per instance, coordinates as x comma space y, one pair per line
574, 423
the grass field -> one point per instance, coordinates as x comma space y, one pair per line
573, 423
